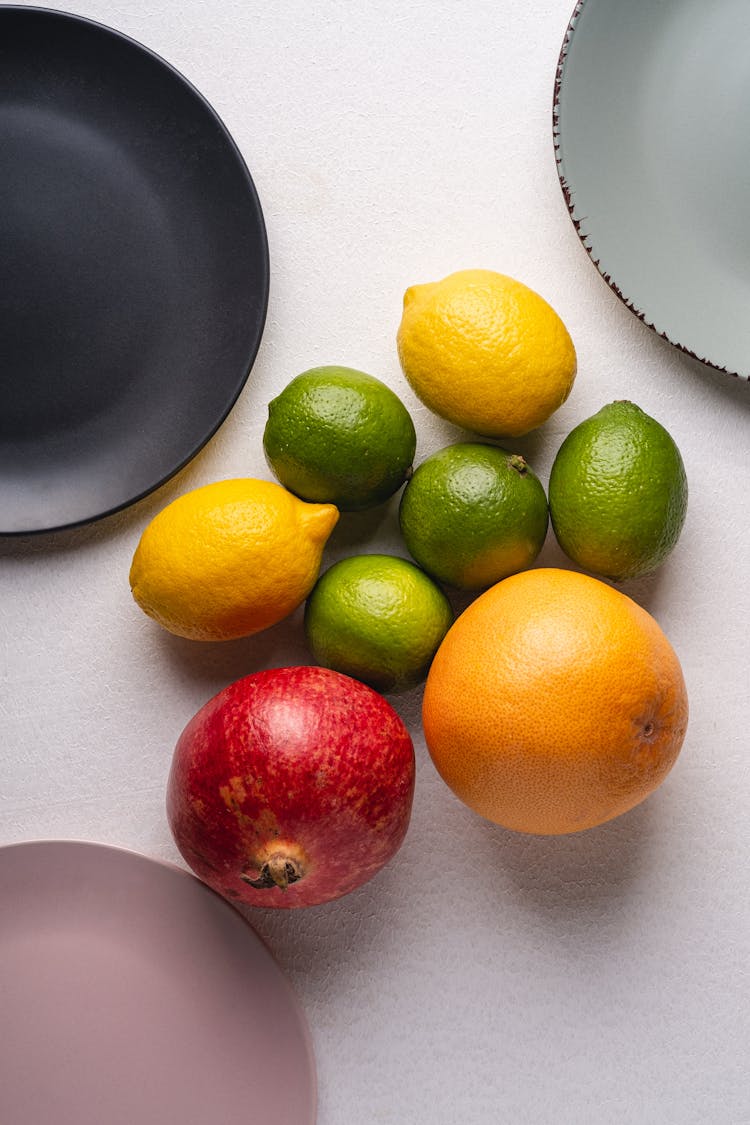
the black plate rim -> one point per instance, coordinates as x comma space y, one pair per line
264, 264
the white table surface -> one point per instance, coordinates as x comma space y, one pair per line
483, 976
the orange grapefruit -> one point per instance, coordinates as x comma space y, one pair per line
554, 703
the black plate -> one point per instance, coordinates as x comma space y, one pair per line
133, 270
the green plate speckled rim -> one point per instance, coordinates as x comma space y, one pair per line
650, 110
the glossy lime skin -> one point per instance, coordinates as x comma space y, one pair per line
618, 493
473, 514
338, 433
377, 618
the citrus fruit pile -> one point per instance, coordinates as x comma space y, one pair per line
554, 702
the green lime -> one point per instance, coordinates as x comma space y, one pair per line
618, 493
377, 618
338, 436
473, 514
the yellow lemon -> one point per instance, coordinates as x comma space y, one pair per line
486, 352
229, 559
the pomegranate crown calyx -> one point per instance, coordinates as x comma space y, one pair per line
279, 870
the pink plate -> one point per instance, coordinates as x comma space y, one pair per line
133, 995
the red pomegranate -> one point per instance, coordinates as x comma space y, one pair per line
291, 787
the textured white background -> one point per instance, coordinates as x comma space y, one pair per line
483, 976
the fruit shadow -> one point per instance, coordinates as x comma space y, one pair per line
217, 663
366, 532
322, 948
646, 591
532, 446
577, 880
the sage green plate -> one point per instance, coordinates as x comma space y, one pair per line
652, 105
